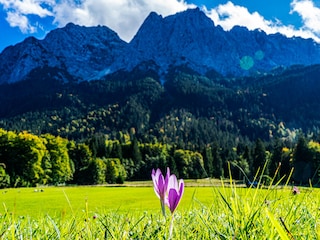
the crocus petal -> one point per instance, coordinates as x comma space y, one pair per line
175, 192
155, 178
173, 182
173, 199
159, 184
167, 177
181, 187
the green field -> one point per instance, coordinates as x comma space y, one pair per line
54, 201
135, 196
133, 212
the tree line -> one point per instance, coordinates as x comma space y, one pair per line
27, 160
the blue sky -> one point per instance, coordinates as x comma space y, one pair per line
22, 18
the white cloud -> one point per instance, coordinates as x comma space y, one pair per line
126, 16
18, 11
17, 20
229, 15
123, 16
309, 13
25, 7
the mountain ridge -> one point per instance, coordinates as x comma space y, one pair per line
187, 38
74, 48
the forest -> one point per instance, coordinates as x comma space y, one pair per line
56, 130
30, 160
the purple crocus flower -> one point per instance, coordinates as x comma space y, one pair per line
160, 185
175, 192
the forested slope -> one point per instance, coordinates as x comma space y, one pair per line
185, 111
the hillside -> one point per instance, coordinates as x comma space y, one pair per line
188, 107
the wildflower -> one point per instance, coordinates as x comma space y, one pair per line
160, 185
175, 192
295, 190
169, 191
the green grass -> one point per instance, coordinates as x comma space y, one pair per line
134, 213
55, 201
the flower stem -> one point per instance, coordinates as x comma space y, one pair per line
163, 208
171, 227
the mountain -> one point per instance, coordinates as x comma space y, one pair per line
187, 38
191, 38
84, 52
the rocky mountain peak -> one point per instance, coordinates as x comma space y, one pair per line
187, 38
191, 38
82, 51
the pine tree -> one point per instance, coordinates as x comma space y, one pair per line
276, 157
248, 157
208, 161
259, 156
302, 152
218, 171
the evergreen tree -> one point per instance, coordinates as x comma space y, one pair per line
208, 161
218, 170
136, 158
259, 156
98, 146
302, 152
302, 161
171, 161
247, 156
116, 150
135, 150
97, 171
276, 158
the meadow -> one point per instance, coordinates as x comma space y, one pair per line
133, 212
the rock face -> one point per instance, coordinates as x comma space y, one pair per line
187, 38
82, 51
191, 38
